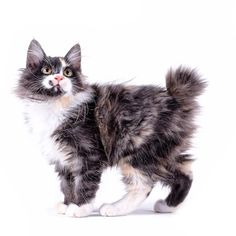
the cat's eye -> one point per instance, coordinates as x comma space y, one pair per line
68, 72
46, 70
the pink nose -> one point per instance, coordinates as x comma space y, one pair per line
58, 77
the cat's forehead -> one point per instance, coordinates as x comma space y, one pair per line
57, 61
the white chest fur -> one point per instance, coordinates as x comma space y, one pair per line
43, 119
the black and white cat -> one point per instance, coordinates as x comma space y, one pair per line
83, 129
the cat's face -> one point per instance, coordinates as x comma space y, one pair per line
49, 77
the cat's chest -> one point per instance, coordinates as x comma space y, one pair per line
43, 120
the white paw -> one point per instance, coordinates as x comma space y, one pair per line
108, 210
61, 208
162, 207
79, 211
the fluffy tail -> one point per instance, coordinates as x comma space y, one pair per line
184, 84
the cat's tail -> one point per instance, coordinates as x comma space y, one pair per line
184, 84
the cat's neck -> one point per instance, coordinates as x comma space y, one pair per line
65, 102
68, 101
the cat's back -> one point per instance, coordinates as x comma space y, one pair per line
117, 98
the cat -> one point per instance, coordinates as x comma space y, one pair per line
84, 128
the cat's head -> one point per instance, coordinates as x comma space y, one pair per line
48, 77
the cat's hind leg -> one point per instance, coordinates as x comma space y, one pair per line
138, 188
180, 184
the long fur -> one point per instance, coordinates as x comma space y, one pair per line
184, 84
145, 130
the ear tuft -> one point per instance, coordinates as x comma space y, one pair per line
35, 55
73, 57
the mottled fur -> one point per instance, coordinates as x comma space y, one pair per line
145, 130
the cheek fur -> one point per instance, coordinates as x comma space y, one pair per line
66, 85
46, 82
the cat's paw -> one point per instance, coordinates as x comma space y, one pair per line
108, 210
78, 211
61, 208
162, 207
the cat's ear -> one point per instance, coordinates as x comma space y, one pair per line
35, 55
73, 57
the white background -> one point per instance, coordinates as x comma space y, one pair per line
122, 41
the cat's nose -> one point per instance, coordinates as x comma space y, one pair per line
58, 77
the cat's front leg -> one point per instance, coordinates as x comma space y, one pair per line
67, 188
85, 188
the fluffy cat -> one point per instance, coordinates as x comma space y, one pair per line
83, 129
